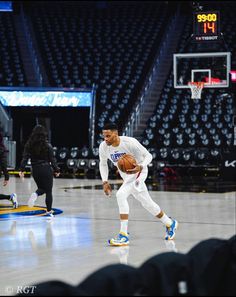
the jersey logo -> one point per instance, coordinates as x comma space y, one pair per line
116, 156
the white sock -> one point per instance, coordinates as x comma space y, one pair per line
124, 226
166, 220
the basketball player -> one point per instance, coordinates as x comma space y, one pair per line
112, 148
40, 151
3, 168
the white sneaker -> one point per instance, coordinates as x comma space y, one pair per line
121, 240
49, 214
13, 199
170, 231
32, 199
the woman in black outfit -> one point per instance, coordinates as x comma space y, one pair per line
43, 163
3, 168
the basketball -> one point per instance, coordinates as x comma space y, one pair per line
126, 162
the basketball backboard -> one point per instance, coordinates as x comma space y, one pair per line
211, 68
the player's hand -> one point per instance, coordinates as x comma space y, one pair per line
57, 174
136, 169
5, 182
21, 174
107, 188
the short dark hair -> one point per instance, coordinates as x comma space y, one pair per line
110, 126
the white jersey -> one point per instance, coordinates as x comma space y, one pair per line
128, 145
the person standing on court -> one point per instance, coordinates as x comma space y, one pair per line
3, 168
43, 163
112, 148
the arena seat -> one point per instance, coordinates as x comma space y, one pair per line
114, 48
12, 71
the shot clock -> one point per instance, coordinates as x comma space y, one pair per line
206, 26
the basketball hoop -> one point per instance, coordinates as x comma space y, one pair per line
196, 89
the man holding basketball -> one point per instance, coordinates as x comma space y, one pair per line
113, 148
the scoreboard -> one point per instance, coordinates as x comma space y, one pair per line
206, 26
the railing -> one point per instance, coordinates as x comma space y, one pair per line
92, 118
33, 53
136, 114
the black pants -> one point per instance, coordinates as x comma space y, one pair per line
43, 176
3, 197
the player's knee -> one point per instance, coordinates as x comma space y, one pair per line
119, 198
123, 206
153, 208
120, 194
122, 202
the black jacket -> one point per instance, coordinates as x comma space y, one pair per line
36, 160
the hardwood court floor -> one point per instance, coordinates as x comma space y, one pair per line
73, 244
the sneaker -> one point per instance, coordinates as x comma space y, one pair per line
13, 199
32, 199
170, 231
49, 214
120, 240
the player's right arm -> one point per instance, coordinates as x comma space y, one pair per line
103, 168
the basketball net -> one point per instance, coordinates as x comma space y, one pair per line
196, 89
